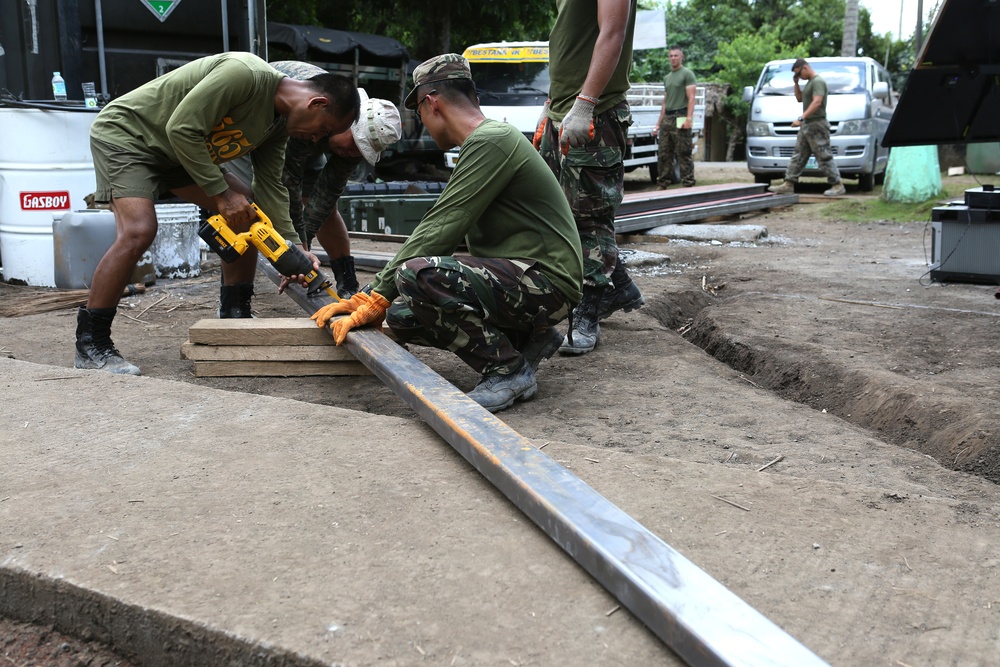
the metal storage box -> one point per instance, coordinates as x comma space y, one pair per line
385, 214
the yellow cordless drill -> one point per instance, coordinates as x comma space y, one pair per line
284, 255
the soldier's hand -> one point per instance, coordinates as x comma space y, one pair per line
235, 209
543, 120
578, 125
371, 310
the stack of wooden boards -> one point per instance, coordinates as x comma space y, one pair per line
273, 347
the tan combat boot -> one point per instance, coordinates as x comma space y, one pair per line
786, 188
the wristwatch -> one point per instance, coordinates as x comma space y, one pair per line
802, 119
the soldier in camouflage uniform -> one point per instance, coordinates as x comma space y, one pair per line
497, 307
674, 141
581, 136
814, 133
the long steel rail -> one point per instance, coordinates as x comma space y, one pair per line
674, 216
695, 615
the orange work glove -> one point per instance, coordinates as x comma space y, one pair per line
342, 307
543, 120
367, 309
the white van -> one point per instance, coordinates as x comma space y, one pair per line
859, 107
512, 79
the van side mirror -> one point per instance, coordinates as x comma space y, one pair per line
881, 90
748, 94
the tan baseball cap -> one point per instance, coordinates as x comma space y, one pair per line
377, 127
439, 68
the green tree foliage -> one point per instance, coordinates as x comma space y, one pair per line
425, 28
700, 26
729, 41
739, 64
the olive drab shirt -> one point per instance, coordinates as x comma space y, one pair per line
204, 113
675, 86
816, 86
504, 202
571, 47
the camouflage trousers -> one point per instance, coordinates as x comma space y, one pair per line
813, 139
592, 177
673, 143
482, 309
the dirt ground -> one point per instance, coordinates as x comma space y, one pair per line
819, 315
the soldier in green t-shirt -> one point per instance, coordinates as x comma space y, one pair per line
814, 133
673, 128
170, 135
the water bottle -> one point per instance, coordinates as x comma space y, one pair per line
58, 86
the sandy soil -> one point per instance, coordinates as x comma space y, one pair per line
739, 352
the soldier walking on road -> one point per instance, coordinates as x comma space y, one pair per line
814, 133
674, 125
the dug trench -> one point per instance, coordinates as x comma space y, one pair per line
948, 425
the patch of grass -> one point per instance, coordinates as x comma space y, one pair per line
873, 208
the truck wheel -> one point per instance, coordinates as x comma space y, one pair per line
653, 173
761, 178
866, 182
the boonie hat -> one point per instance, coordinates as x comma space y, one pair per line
439, 68
377, 126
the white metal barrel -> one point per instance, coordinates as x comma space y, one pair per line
45, 168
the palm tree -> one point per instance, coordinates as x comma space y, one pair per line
849, 45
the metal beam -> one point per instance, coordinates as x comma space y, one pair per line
689, 214
695, 615
642, 202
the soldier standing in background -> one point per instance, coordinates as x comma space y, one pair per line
674, 125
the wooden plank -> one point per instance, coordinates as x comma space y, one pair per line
196, 352
277, 368
259, 331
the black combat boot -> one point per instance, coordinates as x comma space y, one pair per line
624, 295
343, 273
234, 301
94, 349
498, 392
584, 331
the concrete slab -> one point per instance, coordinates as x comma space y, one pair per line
709, 232
193, 526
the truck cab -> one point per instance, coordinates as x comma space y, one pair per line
512, 79
859, 107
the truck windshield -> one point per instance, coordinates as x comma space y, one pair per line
511, 78
841, 78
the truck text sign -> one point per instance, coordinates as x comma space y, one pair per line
44, 201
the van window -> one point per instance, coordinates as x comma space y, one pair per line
511, 78
841, 78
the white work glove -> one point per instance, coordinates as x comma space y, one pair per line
578, 125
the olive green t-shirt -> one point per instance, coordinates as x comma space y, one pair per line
675, 88
816, 86
209, 111
571, 47
504, 202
